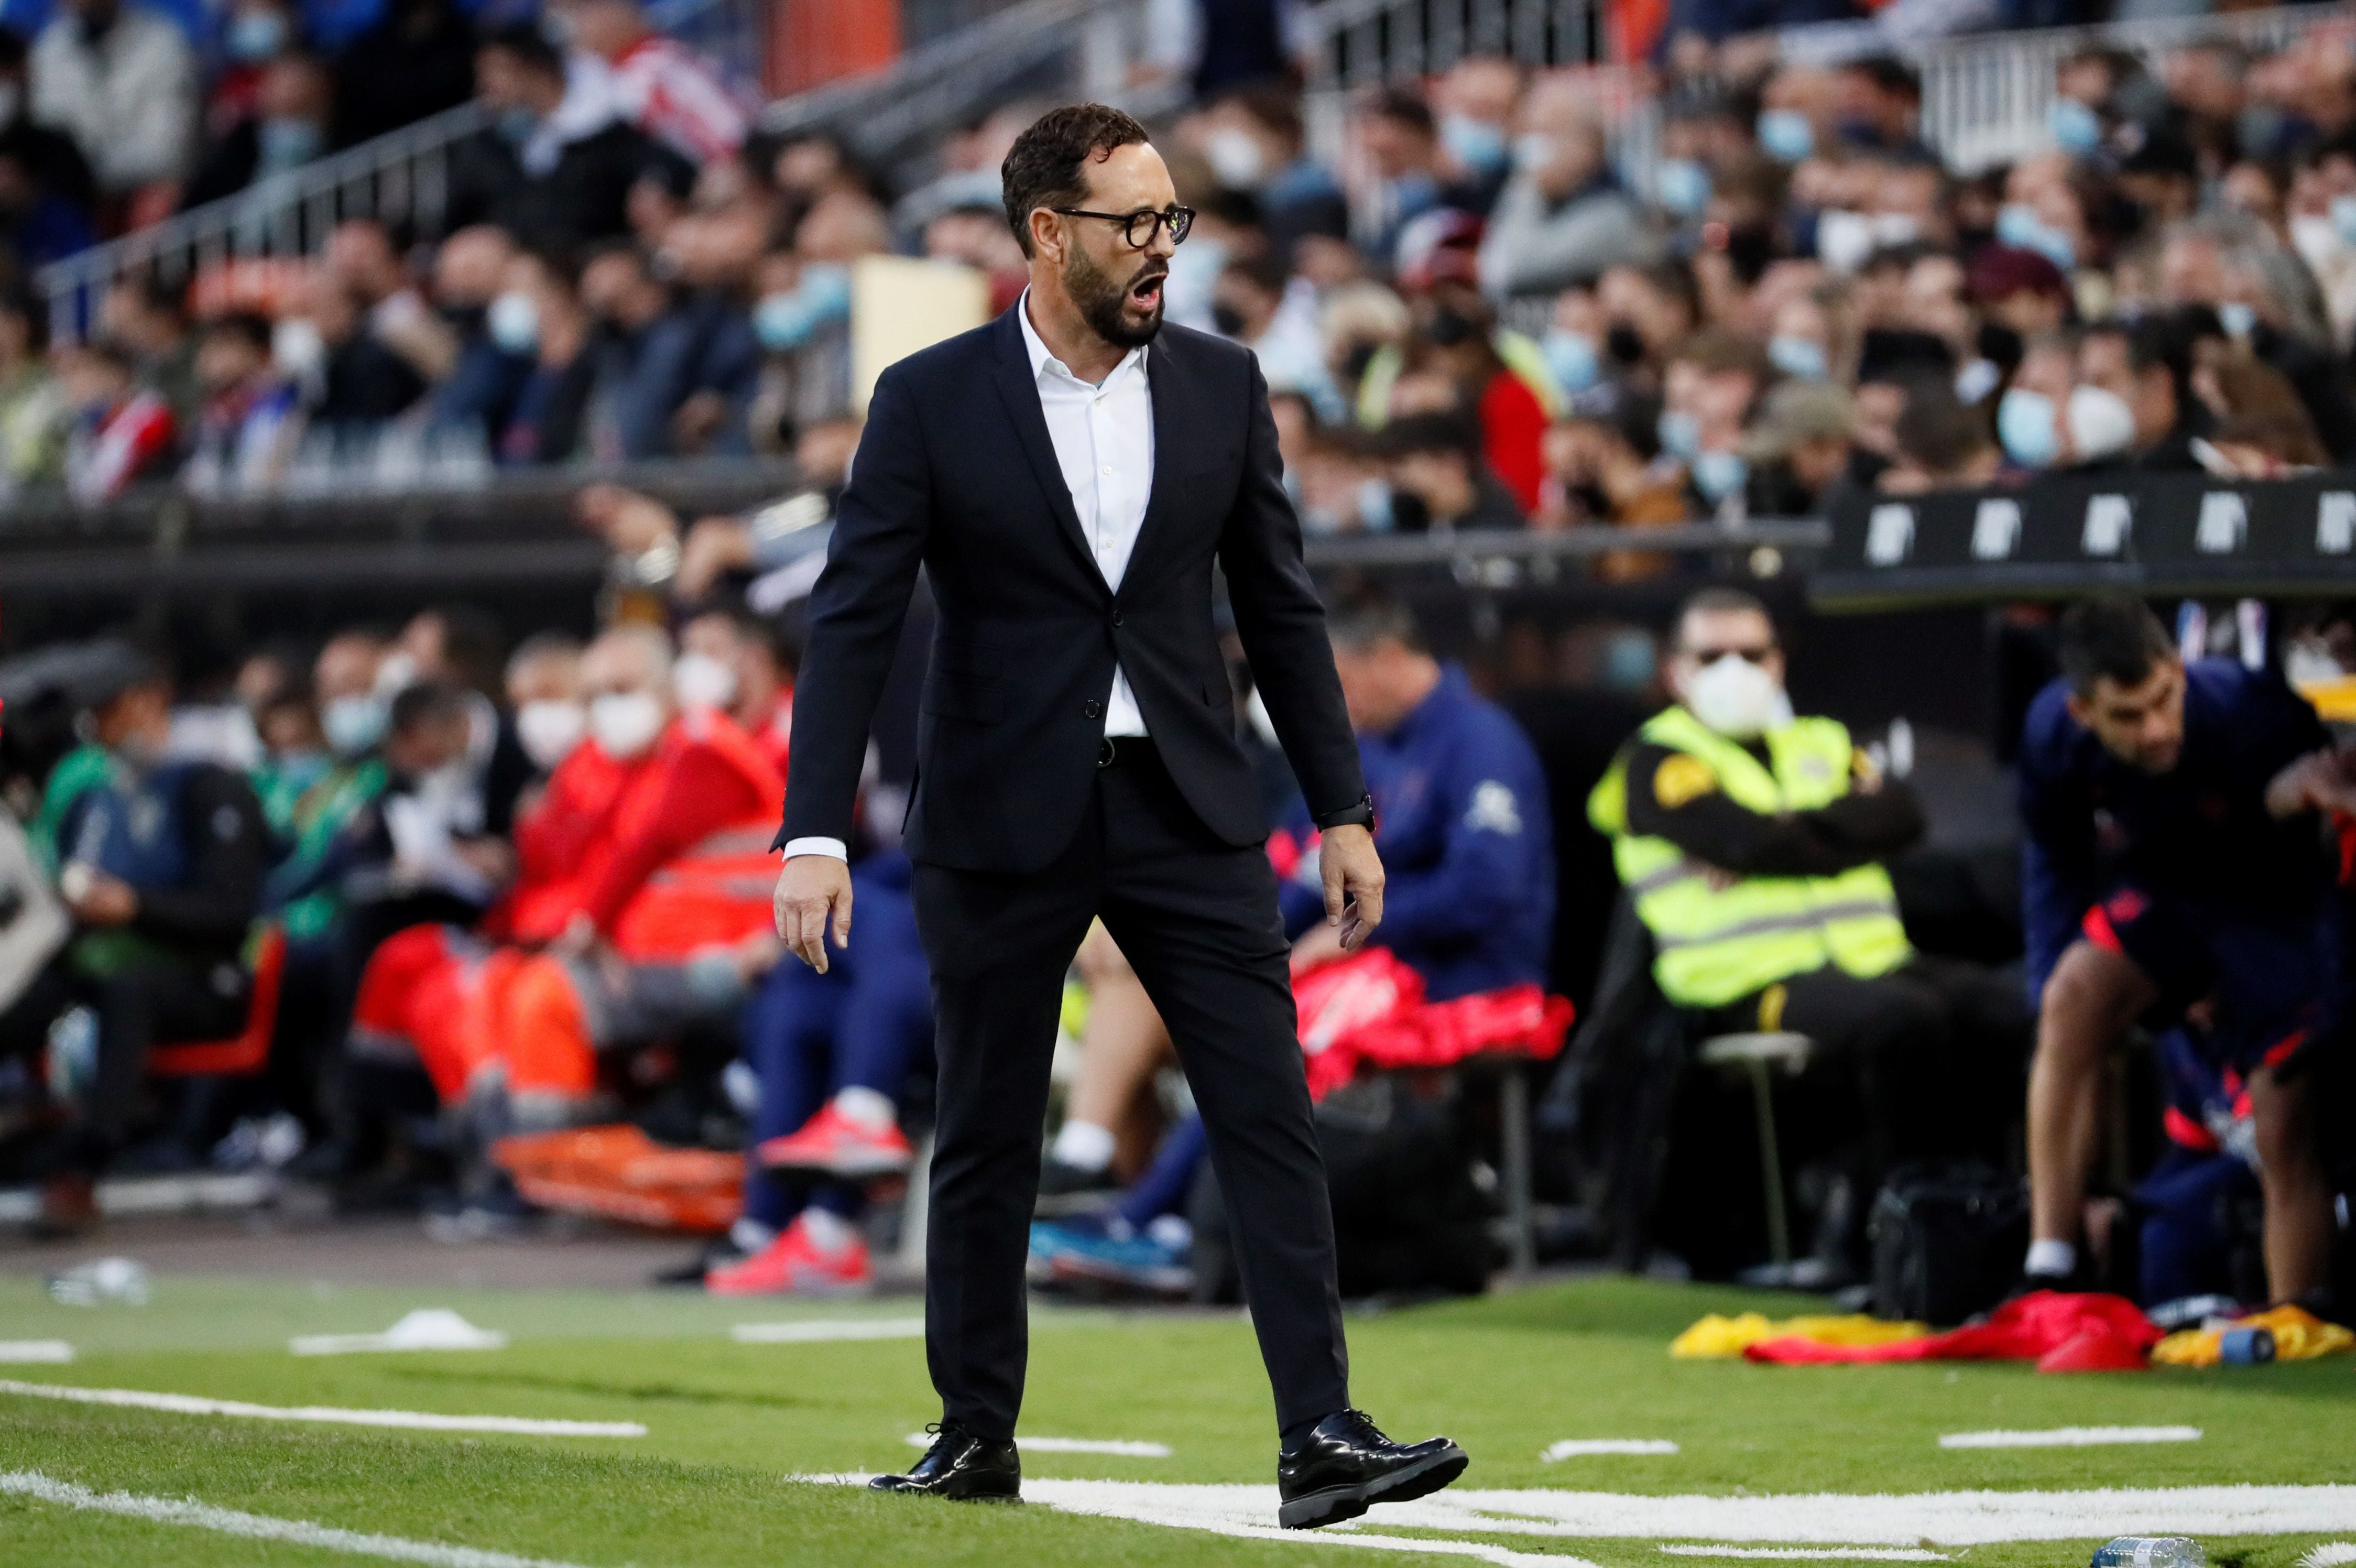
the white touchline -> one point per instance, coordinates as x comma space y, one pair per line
48, 1350
1122, 1446
1816, 1553
259, 1527
837, 1329
413, 1420
2071, 1437
2330, 1554
1578, 1447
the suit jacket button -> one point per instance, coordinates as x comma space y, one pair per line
1093, 708
1116, 617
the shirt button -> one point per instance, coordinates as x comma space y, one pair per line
1092, 708
1106, 471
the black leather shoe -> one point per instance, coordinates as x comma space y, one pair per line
962, 1468
1346, 1463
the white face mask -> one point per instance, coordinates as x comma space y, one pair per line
625, 724
549, 729
353, 724
2101, 423
1736, 698
703, 682
1235, 157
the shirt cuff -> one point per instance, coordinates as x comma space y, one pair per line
834, 847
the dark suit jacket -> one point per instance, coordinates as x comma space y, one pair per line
956, 472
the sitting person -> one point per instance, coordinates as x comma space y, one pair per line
1462, 823
735, 660
161, 869
2194, 1238
1752, 844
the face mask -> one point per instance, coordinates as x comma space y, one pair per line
1628, 661
624, 724
703, 682
254, 36
783, 322
2238, 319
2101, 423
1718, 475
2316, 238
1533, 151
298, 349
353, 724
1736, 698
1235, 157
288, 143
1801, 357
2021, 228
1684, 187
548, 730
1895, 229
2075, 127
1450, 327
1844, 240
1226, 319
1680, 432
1479, 146
515, 123
514, 323
2024, 424
2343, 217
1624, 343
1375, 506
1785, 136
1571, 359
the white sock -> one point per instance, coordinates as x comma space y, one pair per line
1084, 1145
829, 1233
2057, 1259
750, 1235
866, 1107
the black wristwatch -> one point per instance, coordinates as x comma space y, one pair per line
1361, 815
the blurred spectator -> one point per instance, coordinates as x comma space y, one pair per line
1255, 141
1254, 303
417, 60
121, 81
538, 318
1217, 46
254, 34
149, 317
556, 167
542, 686
735, 660
252, 417
661, 87
1942, 443
2145, 372
1562, 219
1475, 100
121, 434
1435, 460
673, 373
1712, 380
46, 188
1796, 448
33, 415
293, 111
361, 259
1400, 142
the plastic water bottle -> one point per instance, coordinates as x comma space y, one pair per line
2247, 1347
2151, 1551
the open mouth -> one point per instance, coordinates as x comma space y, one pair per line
1145, 294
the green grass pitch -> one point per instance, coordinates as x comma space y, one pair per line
729, 1423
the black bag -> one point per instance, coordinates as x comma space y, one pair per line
1947, 1240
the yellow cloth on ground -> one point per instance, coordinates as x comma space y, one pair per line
1717, 1337
2298, 1337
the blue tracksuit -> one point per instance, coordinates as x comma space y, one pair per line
2189, 1200
2185, 873
1467, 845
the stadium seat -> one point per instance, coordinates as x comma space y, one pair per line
1755, 1055
247, 1051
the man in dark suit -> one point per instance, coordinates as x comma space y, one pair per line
1067, 477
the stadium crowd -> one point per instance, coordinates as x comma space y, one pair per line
494, 892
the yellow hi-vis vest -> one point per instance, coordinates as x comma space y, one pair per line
1716, 944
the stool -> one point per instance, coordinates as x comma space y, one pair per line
248, 1051
1754, 1055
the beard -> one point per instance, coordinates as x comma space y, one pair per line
1108, 305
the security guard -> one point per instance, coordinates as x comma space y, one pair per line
1752, 842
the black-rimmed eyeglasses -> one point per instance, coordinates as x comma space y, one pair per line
1140, 229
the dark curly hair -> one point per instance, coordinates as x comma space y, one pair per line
1042, 169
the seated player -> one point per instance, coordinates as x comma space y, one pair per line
2171, 856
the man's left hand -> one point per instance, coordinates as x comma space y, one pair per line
1354, 883
2319, 781
104, 900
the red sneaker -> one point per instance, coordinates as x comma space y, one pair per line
792, 1266
830, 1143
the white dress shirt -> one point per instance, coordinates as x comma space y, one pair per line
1104, 443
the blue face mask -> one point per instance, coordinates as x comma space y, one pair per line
254, 36
1801, 357
1628, 661
2022, 228
513, 322
1476, 143
1718, 475
1684, 187
1571, 359
2024, 424
783, 322
1680, 432
2238, 319
1375, 506
2075, 127
1785, 136
2343, 217
288, 143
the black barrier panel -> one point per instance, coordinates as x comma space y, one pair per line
2069, 533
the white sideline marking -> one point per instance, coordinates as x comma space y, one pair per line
52, 1351
2330, 1554
1842, 1523
427, 1328
1578, 1447
831, 1328
414, 1420
1122, 1446
1816, 1554
2071, 1437
259, 1527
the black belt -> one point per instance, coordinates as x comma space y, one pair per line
1124, 750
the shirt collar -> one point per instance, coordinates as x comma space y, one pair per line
1043, 357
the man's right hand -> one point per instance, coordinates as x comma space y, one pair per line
814, 894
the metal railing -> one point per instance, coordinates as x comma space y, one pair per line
1362, 43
